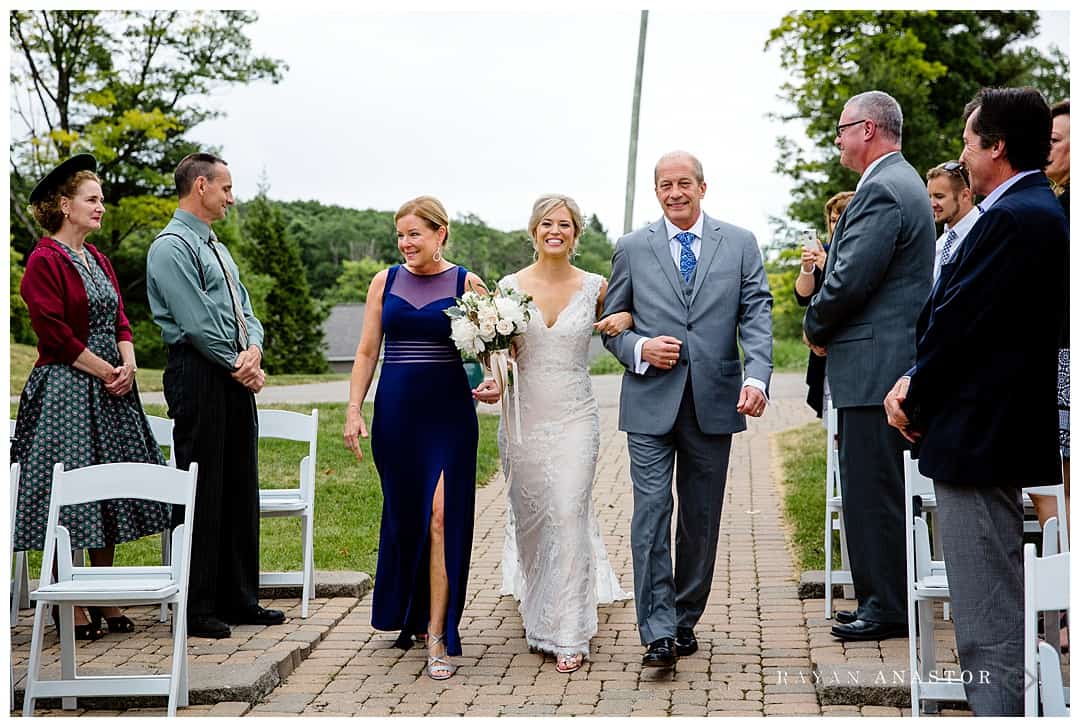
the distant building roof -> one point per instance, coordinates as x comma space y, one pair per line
341, 331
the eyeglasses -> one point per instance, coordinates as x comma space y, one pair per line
958, 169
840, 127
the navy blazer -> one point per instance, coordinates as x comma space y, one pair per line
984, 386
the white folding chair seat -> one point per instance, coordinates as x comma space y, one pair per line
1046, 588
298, 502
834, 516
162, 429
927, 582
113, 585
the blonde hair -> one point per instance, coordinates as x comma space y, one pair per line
547, 204
47, 211
428, 209
839, 203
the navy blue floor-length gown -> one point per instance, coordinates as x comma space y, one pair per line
424, 425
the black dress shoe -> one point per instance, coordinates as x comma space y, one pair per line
660, 653
685, 641
863, 630
257, 615
208, 627
845, 617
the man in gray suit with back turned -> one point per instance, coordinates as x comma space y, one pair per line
696, 288
877, 278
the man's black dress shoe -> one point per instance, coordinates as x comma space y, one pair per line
863, 630
208, 627
660, 653
257, 615
685, 641
845, 617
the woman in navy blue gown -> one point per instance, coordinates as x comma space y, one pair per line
424, 436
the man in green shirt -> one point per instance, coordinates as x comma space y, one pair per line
210, 381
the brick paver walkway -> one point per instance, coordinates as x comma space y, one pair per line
753, 626
753, 633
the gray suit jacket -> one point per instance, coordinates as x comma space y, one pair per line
730, 303
877, 278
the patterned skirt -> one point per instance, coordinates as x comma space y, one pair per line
66, 415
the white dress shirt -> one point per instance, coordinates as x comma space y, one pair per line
962, 228
870, 167
675, 247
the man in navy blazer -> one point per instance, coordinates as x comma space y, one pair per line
981, 397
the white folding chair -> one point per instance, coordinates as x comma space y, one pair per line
20, 572
834, 516
1046, 588
115, 585
296, 502
927, 582
162, 429
1031, 525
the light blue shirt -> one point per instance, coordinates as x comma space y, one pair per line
189, 295
1003, 188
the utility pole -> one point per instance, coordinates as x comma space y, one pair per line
631, 167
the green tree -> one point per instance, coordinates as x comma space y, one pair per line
354, 281
128, 87
932, 62
21, 332
594, 249
291, 320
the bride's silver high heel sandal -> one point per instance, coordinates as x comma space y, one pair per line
438, 668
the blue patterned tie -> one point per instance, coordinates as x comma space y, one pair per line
950, 240
687, 261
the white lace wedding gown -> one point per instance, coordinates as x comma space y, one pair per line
554, 560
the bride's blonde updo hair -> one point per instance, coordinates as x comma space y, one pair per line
547, 204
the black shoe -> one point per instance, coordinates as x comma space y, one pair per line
208, 627
83, 632
256, 615
863, 630
845, 617
661, 653
117, 624
685, 641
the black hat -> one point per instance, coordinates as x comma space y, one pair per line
61, 173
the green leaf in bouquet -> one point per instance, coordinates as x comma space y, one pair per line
454, 312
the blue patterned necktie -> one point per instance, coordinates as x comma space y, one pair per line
687, 261
950, 240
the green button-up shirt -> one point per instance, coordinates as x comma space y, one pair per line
189, 295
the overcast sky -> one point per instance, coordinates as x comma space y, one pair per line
488, 110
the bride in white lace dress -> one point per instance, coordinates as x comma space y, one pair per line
554, 560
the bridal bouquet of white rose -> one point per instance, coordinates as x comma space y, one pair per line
484, 325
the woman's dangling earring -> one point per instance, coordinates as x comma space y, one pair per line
437, 257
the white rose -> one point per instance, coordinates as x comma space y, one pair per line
520, 326
487, 330
462, 331
504, 327
509, 309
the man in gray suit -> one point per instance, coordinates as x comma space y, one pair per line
877, 278
696, 288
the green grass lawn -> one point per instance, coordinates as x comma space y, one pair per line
789, 355
802, 456
23, 357
348, 499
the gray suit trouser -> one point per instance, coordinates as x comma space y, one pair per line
872, 485
982, 531
665, 600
